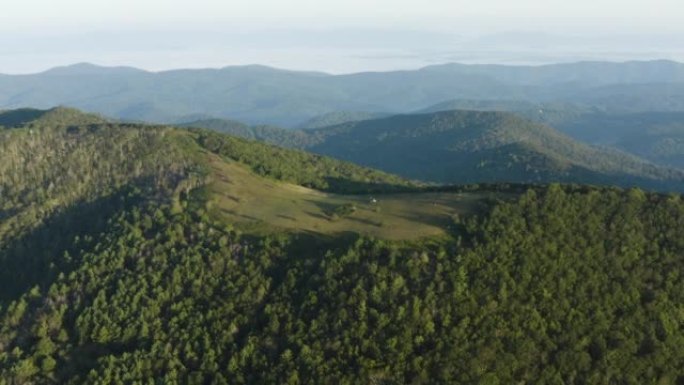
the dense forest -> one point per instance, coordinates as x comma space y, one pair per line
114, 272
558, 287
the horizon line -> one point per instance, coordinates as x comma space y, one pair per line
94, 65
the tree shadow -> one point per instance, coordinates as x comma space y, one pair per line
38, 256
346, 186
19, 117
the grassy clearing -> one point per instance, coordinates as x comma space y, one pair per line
259, 205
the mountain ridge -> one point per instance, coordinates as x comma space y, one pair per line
265, 95
87, 66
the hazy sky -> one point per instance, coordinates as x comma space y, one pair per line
334, 36
37, 12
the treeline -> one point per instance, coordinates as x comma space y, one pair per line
561, 286
299, 167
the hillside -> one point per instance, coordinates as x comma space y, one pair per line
64, 138
475, 147
53, 162
269, 134
549, 113
656, 136
144, 254
262, 95
54, 170
462, 147
652, 135
635, 98
339, 117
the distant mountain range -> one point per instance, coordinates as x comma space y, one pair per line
263, 95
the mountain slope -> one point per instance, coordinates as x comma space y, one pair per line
652, 135
63, 157
339, 117
63, 165
656, 136
549, 113
269, 134
471, 147
593, 73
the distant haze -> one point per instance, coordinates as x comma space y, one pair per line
37, 13
334, 36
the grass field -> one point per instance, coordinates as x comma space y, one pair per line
260, 205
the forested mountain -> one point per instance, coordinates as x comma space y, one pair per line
633, 98
653, 135
339, 117
656, 136
550, 113
262, 95
469, 147
567, 74
473, 147
271, 134
125, 259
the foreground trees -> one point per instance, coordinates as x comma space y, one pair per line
563, 286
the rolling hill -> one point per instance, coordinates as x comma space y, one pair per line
656, 136
652, 135
270, 134
339, 117
262, 95
549, 113
137, 253
473, 147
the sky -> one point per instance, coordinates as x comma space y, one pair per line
334, 36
